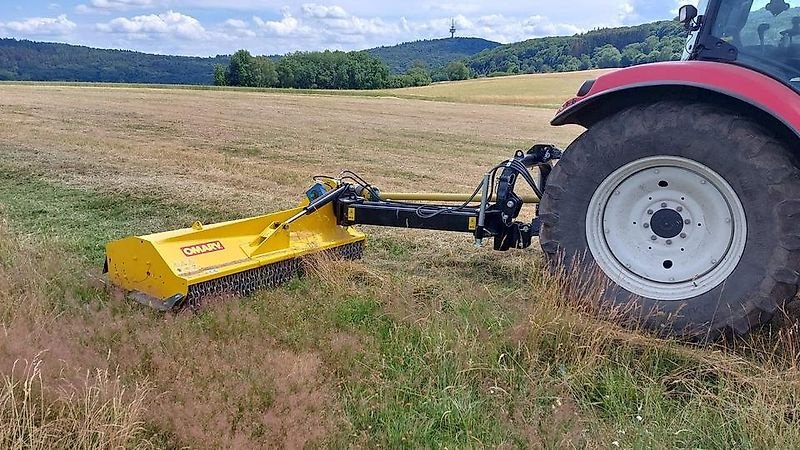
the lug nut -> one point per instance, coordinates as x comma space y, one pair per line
664, 204
647, 225
687, 221
669, 241
683, 235
650, 212
713, 261
510, 204
679, 208
653, 237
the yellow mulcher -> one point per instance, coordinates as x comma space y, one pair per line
177, 269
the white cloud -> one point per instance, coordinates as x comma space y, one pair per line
114, 5
235, 23
680, 3
324, 12
288, 25
625, 11
170, 24
39, 26
237, 28
330, 26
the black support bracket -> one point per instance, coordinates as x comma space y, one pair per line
352, 207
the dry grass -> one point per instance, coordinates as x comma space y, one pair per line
63, 407
98, 414
426, 343
540, 90
741, 394
241, 151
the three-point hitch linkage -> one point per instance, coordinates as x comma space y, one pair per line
489, 212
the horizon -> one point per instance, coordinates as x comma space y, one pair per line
208, 28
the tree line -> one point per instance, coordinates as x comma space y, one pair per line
603, 48
327, 70
42, 61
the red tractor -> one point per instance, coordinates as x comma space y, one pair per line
685, 189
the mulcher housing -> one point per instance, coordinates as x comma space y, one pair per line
175, 268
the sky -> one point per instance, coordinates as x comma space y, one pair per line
212, 27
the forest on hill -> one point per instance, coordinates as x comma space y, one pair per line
43, 61
434, 54
602, 48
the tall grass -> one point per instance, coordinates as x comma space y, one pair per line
52, 409
645, 391
547, 366
99, 413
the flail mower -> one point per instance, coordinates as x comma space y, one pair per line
683, 193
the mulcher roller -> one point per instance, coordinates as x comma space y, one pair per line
183, 268
266, 277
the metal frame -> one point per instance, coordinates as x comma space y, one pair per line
358, 205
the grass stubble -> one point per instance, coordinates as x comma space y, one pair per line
425, 343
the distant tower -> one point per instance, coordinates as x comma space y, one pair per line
452, 28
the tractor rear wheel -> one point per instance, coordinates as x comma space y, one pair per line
687, 210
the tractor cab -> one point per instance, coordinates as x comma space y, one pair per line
763, 35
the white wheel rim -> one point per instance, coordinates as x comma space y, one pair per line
666, 228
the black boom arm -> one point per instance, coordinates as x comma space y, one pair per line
363, 204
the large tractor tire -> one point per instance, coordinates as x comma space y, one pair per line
690, 212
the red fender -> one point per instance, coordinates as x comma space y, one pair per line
630, 86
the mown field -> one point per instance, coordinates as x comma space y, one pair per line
537, 90
426, 343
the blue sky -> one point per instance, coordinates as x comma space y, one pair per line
210, 27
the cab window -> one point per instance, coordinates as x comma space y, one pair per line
766, 33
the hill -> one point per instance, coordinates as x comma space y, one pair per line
434, 53
42, 61
602, 48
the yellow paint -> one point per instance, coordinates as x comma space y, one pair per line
165, 264
434, 197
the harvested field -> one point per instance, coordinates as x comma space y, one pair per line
427, 342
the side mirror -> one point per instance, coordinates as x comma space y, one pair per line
687, 14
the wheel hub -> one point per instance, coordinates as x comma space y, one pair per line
667, 228
667, 223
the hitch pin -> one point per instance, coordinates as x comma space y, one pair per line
482, 213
